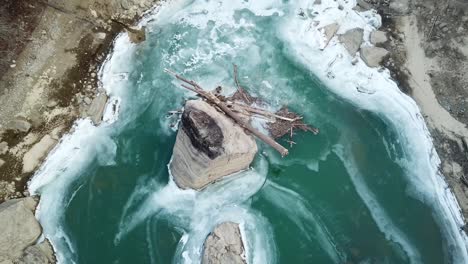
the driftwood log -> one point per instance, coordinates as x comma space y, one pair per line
240, 105
210, 97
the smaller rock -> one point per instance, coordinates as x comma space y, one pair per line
12, 66
52, 104
352, 40
20, 125
378, 37
93, 75
373, 56
37, 153
137, 35
317, 2
329, 31
87, 100
2, 162
3, 148
96, 109
364, 5
224, 245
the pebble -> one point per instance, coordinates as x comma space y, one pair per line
12, 65
3, 148
2, 162
93, 75
87, 100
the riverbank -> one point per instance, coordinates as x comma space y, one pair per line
427, 57
52, 80
52, 52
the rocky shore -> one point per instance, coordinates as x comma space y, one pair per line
51, 54
427, 42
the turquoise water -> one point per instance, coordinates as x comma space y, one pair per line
342, 196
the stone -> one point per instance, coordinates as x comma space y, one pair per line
2, 162
373, 56
19, 228
352, 40
3, 147
364, 5
41, 253
87, 100
378, 37
52, 104
137, 35
96, 109
37, 153
20, 125
329, 32
400, 6
224, 245
209, 146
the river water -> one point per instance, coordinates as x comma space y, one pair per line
365, 190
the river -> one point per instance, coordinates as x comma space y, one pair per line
365, 190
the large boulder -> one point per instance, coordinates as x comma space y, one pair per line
37, 153
373, 56
224, 245
41, 253
209, 145
378, 37
19, 228
352, 40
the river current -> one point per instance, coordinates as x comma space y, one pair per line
365, 190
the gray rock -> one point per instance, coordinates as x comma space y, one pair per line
137, 35
352, 40
364, 5
19, 228
378, 37
19, 125
373, 56
329, 31
96, 109
3, 148
400, 6
224, 245
2, 162
209, 146
41, 253
37, 153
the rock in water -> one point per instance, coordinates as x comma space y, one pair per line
224, 245
18, 228
209, 145
352, 40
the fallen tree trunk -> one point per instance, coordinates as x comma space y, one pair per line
194, 87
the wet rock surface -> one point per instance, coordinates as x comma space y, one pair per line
224, 245
209, 146
373, 56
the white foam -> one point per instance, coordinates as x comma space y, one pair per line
300, 212
304, 40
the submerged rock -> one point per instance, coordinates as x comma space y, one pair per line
209, 145
19, 228
373, 56
224, 245
352, 40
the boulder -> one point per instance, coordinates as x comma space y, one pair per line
41, 253
373, 56
3, 147
352, 40
209, 146
37, 153
378, 37
96, 109
224, 245
137, 35
329, 32
19, 228
20, 125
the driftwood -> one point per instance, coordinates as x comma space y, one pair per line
210, 97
